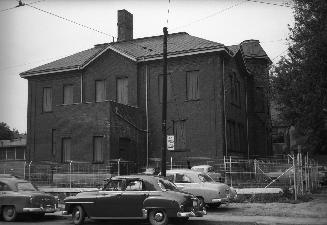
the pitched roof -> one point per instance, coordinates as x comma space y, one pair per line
148, 48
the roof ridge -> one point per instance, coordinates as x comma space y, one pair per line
142, 38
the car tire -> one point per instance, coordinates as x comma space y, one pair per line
78, 215
201, 202
158, 217
9, 213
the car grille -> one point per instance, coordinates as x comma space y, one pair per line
42, 201
191, 204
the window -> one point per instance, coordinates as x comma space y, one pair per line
122, 90
235, 89
4, 187
11, 153
20, 153
169, 87
134, 185
97, 149
192, 85
100, 91
182, 178
66, 149
47, 99
179, 133
114, 185
260, 99
68, 94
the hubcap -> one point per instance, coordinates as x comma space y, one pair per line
158, 216
77, 214
10, 212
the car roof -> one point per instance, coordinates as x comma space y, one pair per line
201, 166
183, 171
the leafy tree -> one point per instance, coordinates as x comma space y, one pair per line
6, 133
299, 80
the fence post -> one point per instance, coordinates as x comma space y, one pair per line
171, 162
225, 169
29, 170
118, 167
294, 174
70, 174
230, 171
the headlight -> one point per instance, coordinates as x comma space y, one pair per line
195, 203
31, 200
181, 208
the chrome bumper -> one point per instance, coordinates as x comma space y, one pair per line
40, 210
192, 214
220, 200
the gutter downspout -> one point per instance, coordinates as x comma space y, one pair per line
146, 115
82, 87
224, 106
247, 117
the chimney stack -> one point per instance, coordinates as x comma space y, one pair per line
125, 25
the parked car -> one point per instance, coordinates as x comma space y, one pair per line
210, 171
201, 185
134, 197
19, 196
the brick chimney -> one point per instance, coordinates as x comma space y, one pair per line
125, 25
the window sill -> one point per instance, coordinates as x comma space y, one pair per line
192, 100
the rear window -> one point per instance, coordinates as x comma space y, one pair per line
167, 185
25, 186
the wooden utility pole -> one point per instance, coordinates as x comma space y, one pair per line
164, 105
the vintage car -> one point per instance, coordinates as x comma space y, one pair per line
210, 171
18, 196
134, 197
208, 191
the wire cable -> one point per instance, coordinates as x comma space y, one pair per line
71, 21
20, 3
211, 15
269, 3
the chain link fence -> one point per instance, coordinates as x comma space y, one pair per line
76, 174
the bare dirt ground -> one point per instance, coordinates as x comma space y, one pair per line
312, 212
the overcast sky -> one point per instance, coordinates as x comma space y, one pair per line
30, 37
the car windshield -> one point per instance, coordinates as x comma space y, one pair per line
167, 185
113, 185
25, 186
205, 178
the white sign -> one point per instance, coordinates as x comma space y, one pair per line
170, 142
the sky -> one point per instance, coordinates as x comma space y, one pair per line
30, 37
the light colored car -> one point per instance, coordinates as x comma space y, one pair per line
201, 185
18, 196
210, 171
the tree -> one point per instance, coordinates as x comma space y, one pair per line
6, 133
299, 80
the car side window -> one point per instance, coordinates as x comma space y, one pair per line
4, 187
114, 185
134, 185
170, 177
181, 178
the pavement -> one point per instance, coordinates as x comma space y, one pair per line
264, 219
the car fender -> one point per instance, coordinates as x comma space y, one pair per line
159, 202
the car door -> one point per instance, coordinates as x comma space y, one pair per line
133, 198
109, 200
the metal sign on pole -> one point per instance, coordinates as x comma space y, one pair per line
170, 142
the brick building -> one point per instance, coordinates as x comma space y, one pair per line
98, 104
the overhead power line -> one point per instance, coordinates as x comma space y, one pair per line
269, 3
211, 15
20, 3
71, 21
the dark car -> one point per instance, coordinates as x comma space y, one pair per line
135, 197
18, 196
